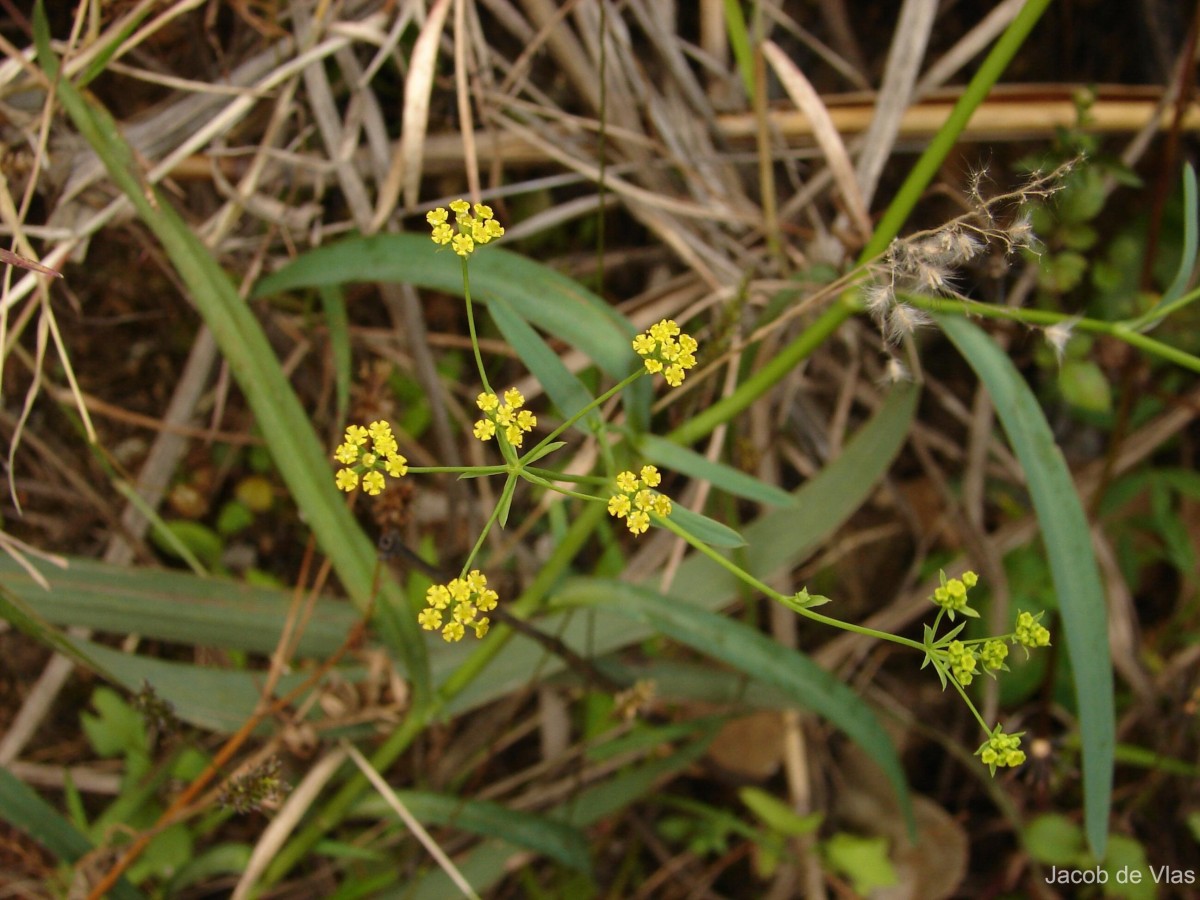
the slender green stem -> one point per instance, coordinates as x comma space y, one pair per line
471, 327
603, 398
459, 470
744, 576
487, 527
542, 482
551, 475
1122, 331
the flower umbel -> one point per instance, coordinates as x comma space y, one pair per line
1001, 749
952, 595
664, 349
504, 415
369, 464
634, 501
475, 225
459, 601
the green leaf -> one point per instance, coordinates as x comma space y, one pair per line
671, 455
16, 611
1066, 535
864, 860
1055, 840
777, 815
746, 649
1083, 385
705, 529
551, 301
567, 391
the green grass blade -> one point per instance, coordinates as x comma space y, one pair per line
333, 302
21, 807
1187, 262
300, 458
751, 652
551, 301
1068, 543
26, 619
175, 606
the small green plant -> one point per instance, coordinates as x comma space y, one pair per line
369, 453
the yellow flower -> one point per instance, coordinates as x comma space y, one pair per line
458, 589
514, 398
442, 234
462, 244
481, 627
662, 505
483, 212
514, 435
487, 402
673, 375
465, 613
476, 581
627, 482
461, 207
436, 216
396, 465
372, 483
430, 619
347, 480
356, 435
487, 600
526, 420
618, 505
650, 476
438, 596
484, 429
638, 522
653, 366
643, 344
453, 632
346, 454
643, 500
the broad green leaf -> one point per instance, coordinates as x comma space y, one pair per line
567, 391
27, 619
551, 301
671, 455
1068, 544
171, 606
705, 529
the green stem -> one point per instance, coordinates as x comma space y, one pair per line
1123, 331
612, 391
769, 591
548, 485
487, 527
471, 327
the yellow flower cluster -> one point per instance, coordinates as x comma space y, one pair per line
664, 349
383, 456
634, 501
952, 594
479, 228
506, 414
1001, 749
468, 596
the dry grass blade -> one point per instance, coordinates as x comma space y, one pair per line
903, 64
809, 102
417, 89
